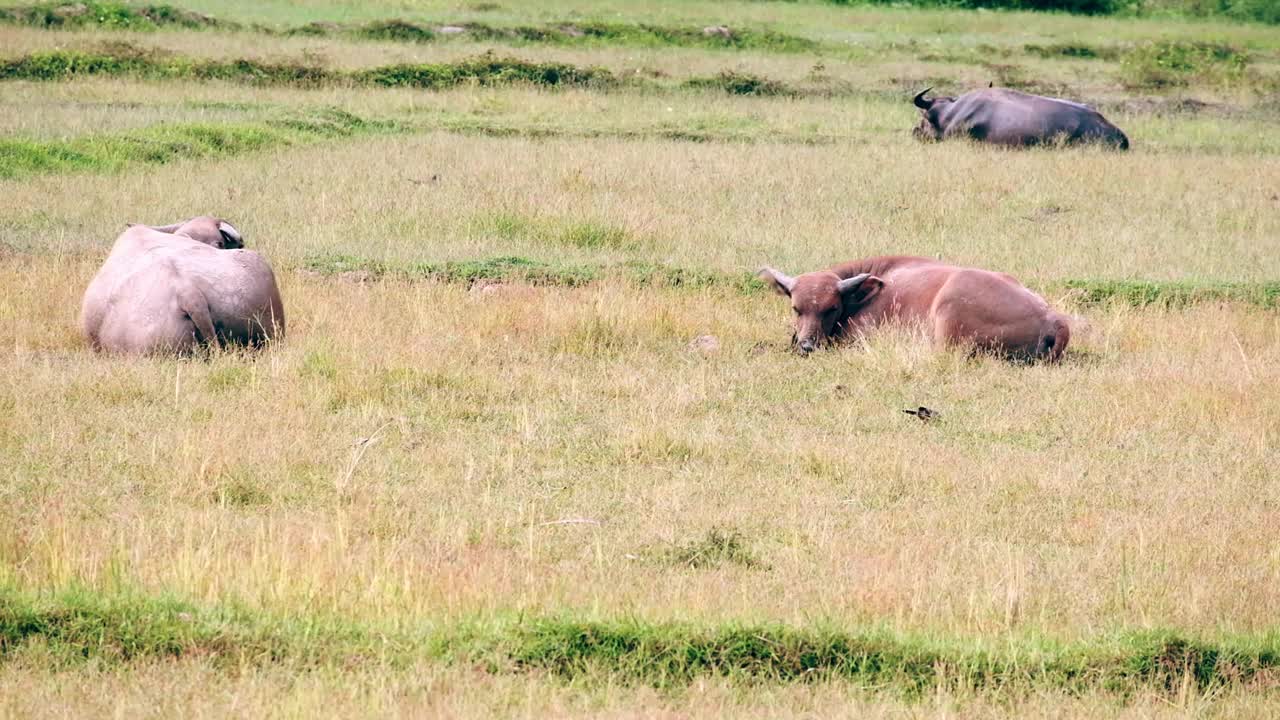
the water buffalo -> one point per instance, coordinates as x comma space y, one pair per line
173, 288
957, 305
1016, 119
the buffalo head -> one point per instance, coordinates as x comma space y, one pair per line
211, 231
930, 127
822, 302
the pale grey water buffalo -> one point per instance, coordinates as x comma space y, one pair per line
1008, 117
957, 305
173, 288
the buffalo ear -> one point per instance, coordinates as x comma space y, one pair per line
859, 289
781, 283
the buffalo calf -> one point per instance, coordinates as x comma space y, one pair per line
959, 305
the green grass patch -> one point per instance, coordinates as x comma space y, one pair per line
675, 655
125, 60
79, 625
164, 143
533, 272
108, 15
1174, 294
586, 234
119, 628
1169, 63
168, 143
595, 236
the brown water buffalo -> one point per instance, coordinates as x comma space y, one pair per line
957, 305
177, 287
1015, 119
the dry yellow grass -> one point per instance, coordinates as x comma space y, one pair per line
1039, 215
399, 455
406, 456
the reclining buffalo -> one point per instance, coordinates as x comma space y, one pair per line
175, 288
989, 311
1014, 119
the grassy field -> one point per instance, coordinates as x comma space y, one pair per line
490, 471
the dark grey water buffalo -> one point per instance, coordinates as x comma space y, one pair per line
176, 287
1008, 117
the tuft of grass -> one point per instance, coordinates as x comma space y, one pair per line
503, 224
594, 236
238, 488
168, 143
486, 70
393, 30
740, 83
1073, 50
1170, 63
717, 548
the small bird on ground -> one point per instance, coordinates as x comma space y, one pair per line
924, 413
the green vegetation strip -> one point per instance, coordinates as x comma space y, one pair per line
73, 627
130, 62
1266, 11
115, 14
1135, 293
484, 70
1174, 294
533, 272
167, 143
121, 16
